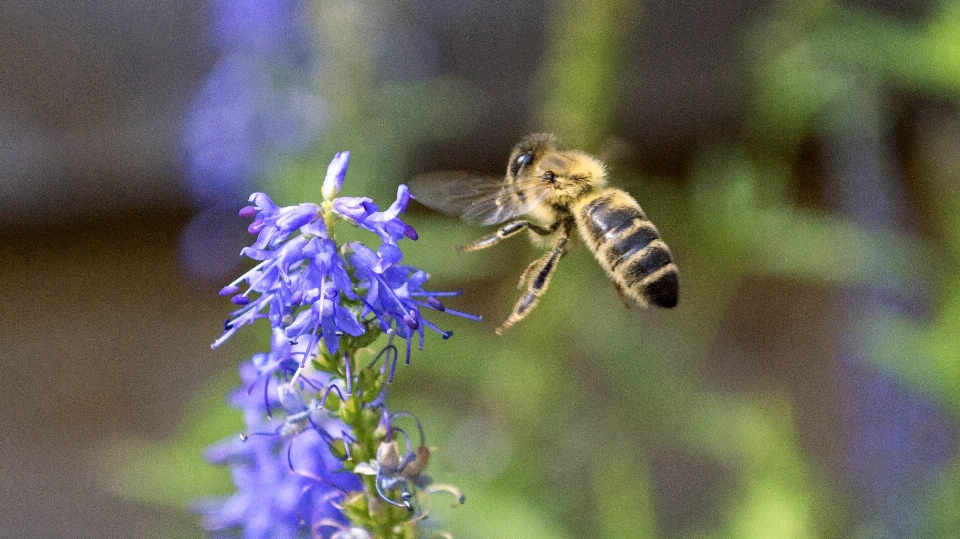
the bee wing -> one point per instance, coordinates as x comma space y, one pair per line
479, 200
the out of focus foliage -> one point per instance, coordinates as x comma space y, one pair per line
589, 420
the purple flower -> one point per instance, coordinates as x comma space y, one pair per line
274, 224
323, 281
274, 279
303, 283
286, 478
285, 484
386, 224
394, 294
315, 294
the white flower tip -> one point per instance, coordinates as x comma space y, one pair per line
335, 174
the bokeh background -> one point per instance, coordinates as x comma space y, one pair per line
801, 157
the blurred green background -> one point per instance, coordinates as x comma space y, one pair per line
801, 158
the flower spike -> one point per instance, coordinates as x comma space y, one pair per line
326, 302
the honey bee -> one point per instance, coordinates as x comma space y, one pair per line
560, 190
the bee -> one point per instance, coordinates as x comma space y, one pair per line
558, 190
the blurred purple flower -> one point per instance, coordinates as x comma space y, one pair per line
256, 100
899, 442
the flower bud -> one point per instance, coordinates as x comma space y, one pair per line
335, 174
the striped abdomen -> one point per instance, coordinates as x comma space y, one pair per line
629, 247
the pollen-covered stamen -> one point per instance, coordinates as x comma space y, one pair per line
244, 298
445, 309
234, 287
229, 290
244, 316
256, 227
443, 334
412, 319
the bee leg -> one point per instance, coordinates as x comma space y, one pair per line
532, 267
547, 265
506, 231
620, 294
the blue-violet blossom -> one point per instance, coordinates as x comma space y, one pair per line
313, 457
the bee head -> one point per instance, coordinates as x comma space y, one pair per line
571, 172
529, 150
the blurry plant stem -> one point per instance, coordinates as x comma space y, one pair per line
580, 88
347, 73
376, 117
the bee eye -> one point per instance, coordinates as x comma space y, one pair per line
548, 177
522, 160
